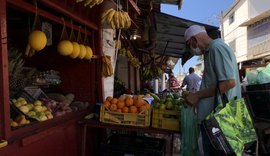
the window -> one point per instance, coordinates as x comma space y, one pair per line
231, 18
232, 44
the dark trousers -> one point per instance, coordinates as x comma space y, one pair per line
208, 149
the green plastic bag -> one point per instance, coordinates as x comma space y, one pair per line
236, 124
190, 132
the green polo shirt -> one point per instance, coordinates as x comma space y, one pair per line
219, 65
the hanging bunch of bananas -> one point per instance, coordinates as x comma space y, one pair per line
107, 69
133, 60
151, 72
90, 3
117, 19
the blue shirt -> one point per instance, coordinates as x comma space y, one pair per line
192, 81
220, 64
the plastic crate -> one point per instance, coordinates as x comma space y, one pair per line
166, 119
259, 104
131, 119
130, 145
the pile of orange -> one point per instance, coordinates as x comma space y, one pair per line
126, 104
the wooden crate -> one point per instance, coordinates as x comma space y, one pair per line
131, 119
166, 119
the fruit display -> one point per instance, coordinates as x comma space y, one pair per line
35, 110
126, 110
168, 102
57, 108
133, 60
19, 76
117, 19
126, 104
166, 111
90, 3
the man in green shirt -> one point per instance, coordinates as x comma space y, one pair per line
220, 67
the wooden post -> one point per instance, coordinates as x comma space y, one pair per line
4, 83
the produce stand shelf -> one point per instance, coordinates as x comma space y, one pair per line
42, 126
92, 123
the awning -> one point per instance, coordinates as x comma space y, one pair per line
170, 35
256, 19
172, 2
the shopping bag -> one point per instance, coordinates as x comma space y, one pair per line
190, 132
229, 127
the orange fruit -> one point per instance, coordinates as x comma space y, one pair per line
120, 104
129, 101
121, 99
125, 110
133, 109
106, 104
139, 102
114, 101
113, 107
109, 98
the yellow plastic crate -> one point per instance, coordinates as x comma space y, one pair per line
166, 119
131, 119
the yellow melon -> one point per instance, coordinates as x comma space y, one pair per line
82, 51
89, 53
76, 50
65, 47
37, 40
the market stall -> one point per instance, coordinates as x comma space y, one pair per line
53, 97
41, 80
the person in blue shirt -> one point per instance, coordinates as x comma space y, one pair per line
220, 69
192, 81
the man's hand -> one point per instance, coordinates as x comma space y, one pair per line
192, 99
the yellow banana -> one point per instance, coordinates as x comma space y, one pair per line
128, 19
110, 16
100, 1
105, 13
112, 24
3, 143
93, 2
116, 20
87, 2
121, 20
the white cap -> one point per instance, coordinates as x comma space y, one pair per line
193, 30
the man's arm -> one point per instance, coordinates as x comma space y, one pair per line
224, 86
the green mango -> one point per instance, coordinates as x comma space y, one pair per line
169, 105
162, 106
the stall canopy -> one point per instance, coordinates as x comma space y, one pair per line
170, 35
173, 2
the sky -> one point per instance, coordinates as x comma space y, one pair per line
203, 11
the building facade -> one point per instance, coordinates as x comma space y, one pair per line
246, 28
